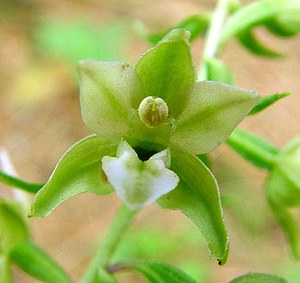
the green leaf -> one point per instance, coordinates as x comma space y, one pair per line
258, 278
13, 228
157, 272
197, 196
35, 262
253, 148
108, 90
167, 70
217, 71
196, 25
15, 182
5, 271
277, 28
249, 16
210, 115
267, 101
249, 40
289, 16
79, 170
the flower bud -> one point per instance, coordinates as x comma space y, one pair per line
153, 111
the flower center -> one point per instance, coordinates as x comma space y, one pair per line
153, 111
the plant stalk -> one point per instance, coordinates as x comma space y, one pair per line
211, 44
122, 221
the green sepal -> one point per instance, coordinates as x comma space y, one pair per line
253, 148
217, 71
79, 170
196, 25
157, 272
108, 90
267, 101
167, 70
258, 278
210, 115
250, 41
35, 262
197, 196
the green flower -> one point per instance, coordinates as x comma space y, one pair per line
150, 120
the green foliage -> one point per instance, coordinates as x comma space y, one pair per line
15, 182
35, 262
75, 39
159, 272
283, 191
196, 25
250, 41
255, 149
13, 231
267, 101
258, 278
217, 71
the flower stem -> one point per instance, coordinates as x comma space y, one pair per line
214, 34
121, 222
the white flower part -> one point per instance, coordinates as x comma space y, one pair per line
139, 183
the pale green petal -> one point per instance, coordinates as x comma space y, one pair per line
108, 90
79, 170
211, 114
139, 183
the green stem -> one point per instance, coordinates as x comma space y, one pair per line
214, 34
121, 222
15, 182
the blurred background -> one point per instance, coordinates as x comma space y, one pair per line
40, 43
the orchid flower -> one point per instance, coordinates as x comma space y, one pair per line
150, 120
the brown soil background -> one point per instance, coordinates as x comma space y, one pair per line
40, 118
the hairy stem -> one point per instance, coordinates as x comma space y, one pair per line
121, 222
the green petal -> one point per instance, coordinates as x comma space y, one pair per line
211, 114
167, 70
108, 90
197, 196
79, 170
